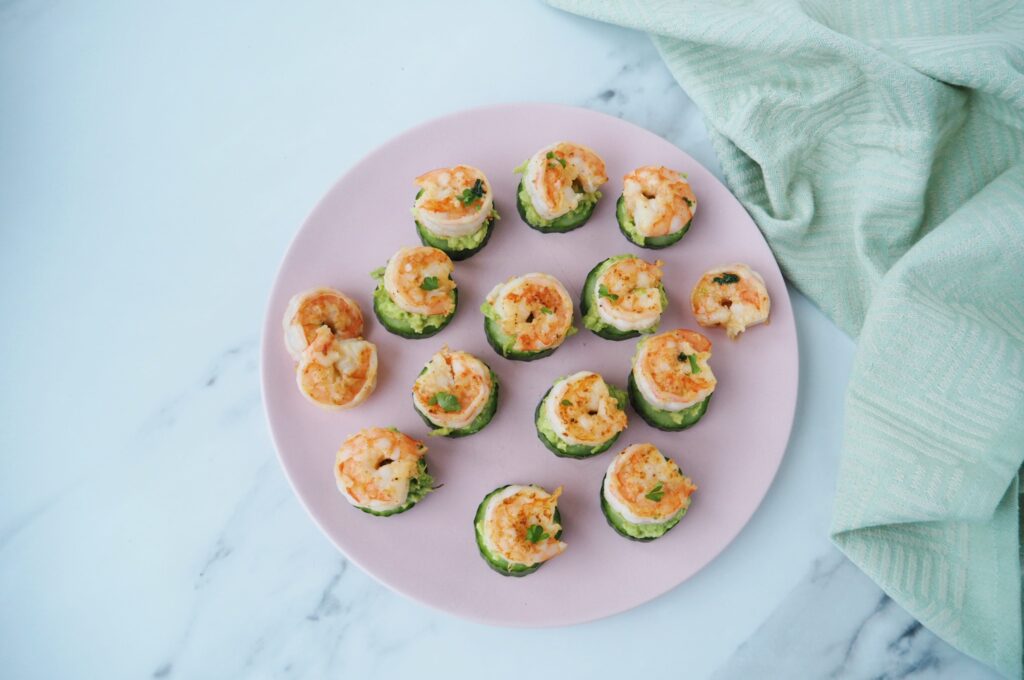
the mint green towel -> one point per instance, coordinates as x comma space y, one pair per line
880, 148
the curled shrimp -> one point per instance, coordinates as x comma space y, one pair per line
671, 369
459, 375
632, 293
419, 281
557, 175
584, 410
511, 517
734, 297
660, 201
535, 309
373, 467
648, 484
453, 201
312, 309
336, 373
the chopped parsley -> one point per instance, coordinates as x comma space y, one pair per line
473, 195
535, 533
448, 402
429, 283
551, 156
566, 402
603, 291
546, 310
655, 494
726, 277
692, 358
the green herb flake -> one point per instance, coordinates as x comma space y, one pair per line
694, 367
603, 291
726, 277
566, 402
551, 156
473, 195
429, 283
656, 494
546, 310
535, 533
448, 402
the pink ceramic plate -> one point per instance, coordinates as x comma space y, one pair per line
429, 553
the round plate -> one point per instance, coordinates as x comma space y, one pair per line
429, 553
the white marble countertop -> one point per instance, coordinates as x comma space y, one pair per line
155, 161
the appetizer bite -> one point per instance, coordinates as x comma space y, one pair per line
415, 296
336, 373
623, 297
644, 494
527, 317
580, 416
656, 207
734, 297
671, 383
518, 527
308, 311
454, 210
382, 471
456, 394
559, 187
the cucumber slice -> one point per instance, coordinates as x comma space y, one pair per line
451, 246
669, 421
406, 324
636, 532
419, 487
479, 423
559, 446
567, 222
496, 562
628, 229
588, 305
502, 343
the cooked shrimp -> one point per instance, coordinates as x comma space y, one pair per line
583, 411
660, 200
645, 486
510, 517
671, 369
373, 467
734, 296
535, 309
557, 175
465, 382
419, 281
337, 374
312, 309
453, 201
631, 295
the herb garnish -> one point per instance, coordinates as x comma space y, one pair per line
566, 402
551, 156
727, 277
429, 283
546, 310
448, 402
470, 196
655, 494
603, 291
535, 533
692, 358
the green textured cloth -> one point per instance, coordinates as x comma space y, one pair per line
880, 148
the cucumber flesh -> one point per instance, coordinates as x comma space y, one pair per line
628, 229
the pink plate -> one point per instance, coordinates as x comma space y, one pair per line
429, 553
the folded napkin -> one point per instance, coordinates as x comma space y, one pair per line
880, 148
